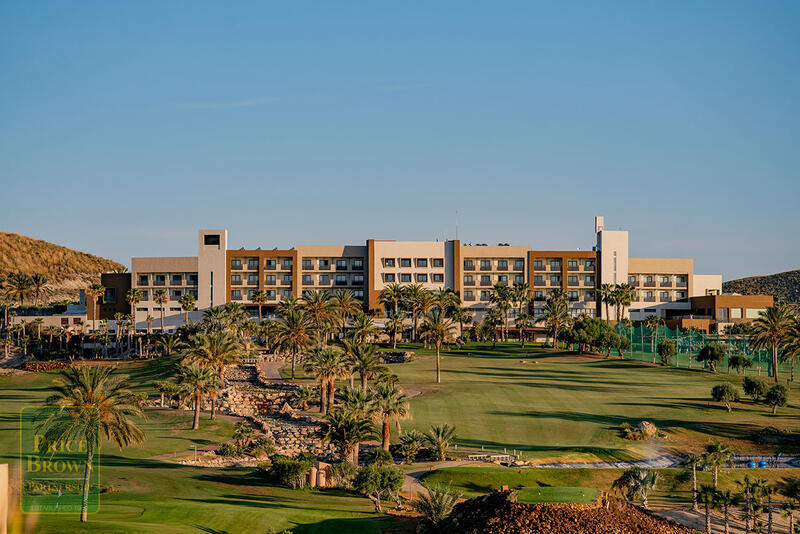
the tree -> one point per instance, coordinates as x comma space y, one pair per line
259, 298
416, 299
771, 330
243, 434
502, 296
187, 303
778, 395
197, 382
93, 292
724, 500
363, 328
294, 333
379, 482
320, 310
17, 286
636, 483
739, 362
606, 294
436, 506
725, 393
169, 343
87, 403
391, 296
717, 455
555, 315
38, 282
462, 316
214, 350
346, 305
436, 328
357, 403
791, 346
410, 444
752, 491
754, 388
346, 432
327, 364
707, 495
390, 404
523, 322
440, 437
712, 354
161, 298
666, 350
365, 362
652, 322
694, 460
521, 295
394, 325
134, 297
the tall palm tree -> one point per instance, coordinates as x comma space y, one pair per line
197, 382
626, 293
522, 295
394, 325
462, 316
320, 310
555, 315
606, 296
259, 297
724, 500
636, 483
18, 286
187, 303
87, 403
445, 299
392, 295
357, 403
365, 362
652, 322
440, 437
134, 297
38, 282
390, 404
235, 316
213, 350
770, 330
416, 298
161, 298
717, 455
363, 328
345, 305
293, 333
694, 460
346, 432
523, 322
791, 346
327, 364
93, 292
707, 495
501, 297
436, 328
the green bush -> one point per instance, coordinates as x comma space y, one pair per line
667, 350
288, 471
262, 446
379, 483
725, 393
778, 395
344, 473
712, 354
739, 363
755, 388
379, 456
229, 450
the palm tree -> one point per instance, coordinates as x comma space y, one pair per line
636, 483
440, 437
365, 362
390, 404
357, 403
791, 346
770, 330
326, 364
436, 328
394, 325
197, 382
555, 315
445, 299
93, 292
522, 294
416, 299
134, 297
259, 297
652, 322
346, 305
501, 297
363, 328
411, 443
715, 456
707, 495
169, 344
88, 403
161, 298
724, 500
768, 491
320, 310
293, 333
462, 316
694, 460
38, 282
213, 350
606, 295
752, 493
149, 320
18, 286
346, 432
392, 295
523, 322
234, 315
626, 293
187, 303
436, 505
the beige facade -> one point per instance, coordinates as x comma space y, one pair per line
176, 276
481, 267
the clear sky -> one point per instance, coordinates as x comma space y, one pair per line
126, 126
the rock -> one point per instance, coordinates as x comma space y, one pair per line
647, 429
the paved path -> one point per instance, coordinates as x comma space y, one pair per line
662, 462
411, 483
271, 369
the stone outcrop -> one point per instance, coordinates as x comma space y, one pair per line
396, 356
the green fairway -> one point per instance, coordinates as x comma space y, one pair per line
557, 494
556, 405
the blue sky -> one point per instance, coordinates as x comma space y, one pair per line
331, 122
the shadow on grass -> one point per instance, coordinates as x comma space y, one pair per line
603, 453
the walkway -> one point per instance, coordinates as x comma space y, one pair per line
271, 369
662, 462
411, 483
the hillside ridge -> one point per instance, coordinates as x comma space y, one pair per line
785, 284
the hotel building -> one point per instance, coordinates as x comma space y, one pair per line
218, 275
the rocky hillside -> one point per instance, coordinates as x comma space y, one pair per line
67, 270
787, 285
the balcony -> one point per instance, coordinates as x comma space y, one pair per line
269, 282
324, 267
270, 266
341, 282
538, 268
665, 299
144, 282
236, 266
484, 283
469, 298
252, 282
682, 284
555, 266
588, 267
159, 282
486, 267
519, 267
540, 298
192, 282
341, 267
469, 268
572, 268
648, 299
176, 282
286, 282
588, 298
357, 267
501, 267
469, 282
649, 284
573, 299
588, 283
665, 284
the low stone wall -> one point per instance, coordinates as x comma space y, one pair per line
396, 356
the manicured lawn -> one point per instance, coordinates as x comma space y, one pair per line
557, 494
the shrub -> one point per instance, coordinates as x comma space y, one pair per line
712, 354
229, 450
725, 393
379, 483
288, 471
435, 507
778, 395
754, 388
380, 457
666, 350
739, 363
344, 473
262, 446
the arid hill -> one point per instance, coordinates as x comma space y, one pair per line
787, 285
67, 270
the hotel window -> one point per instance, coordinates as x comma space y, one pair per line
665, 279
308, 264
422, 262
422, 277
358, 264
110, 295
538, 295
143, 280
287, 293
252, 264
193, 293
405, 277
388, 262
519, 265
648, 295
469, 265
572, 280
573, 295
359, 294
307, 280
555, 265
250, 294
486, 265
502, 265
486, 280
236, 294
176, 294
469, 295
174, 309
388, 278
589, 295
664, 295
555, 279
192, 279
177, 279
160, 280
252, 279
141, 309
538, 265
485, 295
438, 277
270, 280
341, 280
632, 280
589, 280
589, 264
236, 279
681, 279
538, 280
519, 279
680, 294
438, 262
736, 313
468, 280
341, 265
211, 239
271, 264
145, 295
271, 294
324, 279
502, 279
236, 263
287, 278
358, 279
324, 264
288, 263
753, 313
405, 262
649, 279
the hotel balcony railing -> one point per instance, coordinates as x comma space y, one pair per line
573, 299
588, 299
341, 267
519, 267
191, 282
236, 267
648, 299
485, 283
286, 282
539, 299
649, 284
144, 282
682, 284
268, 267
588, 267
588, 283
538, 268
288, 266
485, 299
470, 299
236, 297
358, 267
252, 282
252, 266
486, 267
572, 268
665, 299
178, 282
666, 284
469, 283
159, 282
308, 282
555, 266
341, 282
470, 268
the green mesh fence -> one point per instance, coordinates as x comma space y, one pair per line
644, 345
